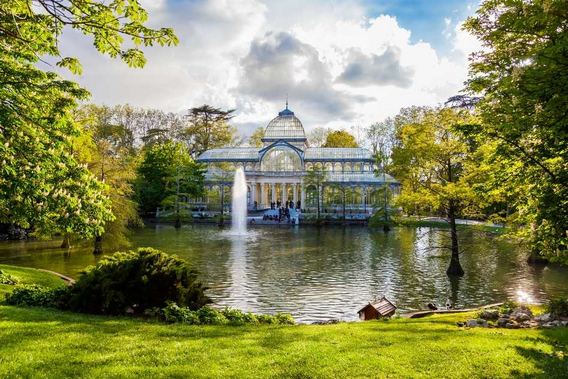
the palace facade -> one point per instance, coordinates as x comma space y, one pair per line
276, 172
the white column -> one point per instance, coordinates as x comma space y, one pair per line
253, 194
284, 193
302, 196
295, 193
273, 186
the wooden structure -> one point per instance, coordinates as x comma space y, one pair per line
377, 309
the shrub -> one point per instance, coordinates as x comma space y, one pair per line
284, 319
266, 319
134, 281
238, 317
7, 279
36, 295
210, 316
508, 307
174, 313
558, 307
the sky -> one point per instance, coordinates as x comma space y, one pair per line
341, 63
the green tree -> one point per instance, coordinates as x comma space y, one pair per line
521, 76
256, 137
340, 138
430, 160
109, 153
41, 183
316, 177
209, 128
161, 171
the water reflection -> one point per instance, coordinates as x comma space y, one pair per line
323, 273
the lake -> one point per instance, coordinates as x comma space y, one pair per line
328, 273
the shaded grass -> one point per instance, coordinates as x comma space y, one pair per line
36, 342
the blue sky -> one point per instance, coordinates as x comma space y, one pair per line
425, 18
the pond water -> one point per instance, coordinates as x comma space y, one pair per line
324, 273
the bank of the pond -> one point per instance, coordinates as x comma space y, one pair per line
49, 343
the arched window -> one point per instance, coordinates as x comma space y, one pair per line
281, 159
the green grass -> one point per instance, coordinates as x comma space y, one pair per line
37, 342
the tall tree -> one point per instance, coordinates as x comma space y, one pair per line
522, 75
41, 183
256, 137
109, 154
164, 167
340, 138
209, 128
430, 161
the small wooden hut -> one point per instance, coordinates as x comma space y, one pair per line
377, 309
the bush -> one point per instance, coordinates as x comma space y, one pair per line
558, 307
508, 307
136, 281
7, 279
174, 313
210, 316
36, 295
238, 317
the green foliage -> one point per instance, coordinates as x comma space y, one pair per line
38, 296
315, 177
521, 78
340, 138
256, 137
41, 182
8, 279
209, 128
508, 307
558, 307
164, 166
173, 313
134, 281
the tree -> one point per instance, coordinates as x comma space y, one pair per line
41, 183
521, 77
209, 128
430, 160
160, 173
108, 151
256, 137
316, 177
381, 137
318, 136
340, 138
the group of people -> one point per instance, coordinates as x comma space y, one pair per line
287, 205
283, 211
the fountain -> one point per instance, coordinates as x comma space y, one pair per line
239, 203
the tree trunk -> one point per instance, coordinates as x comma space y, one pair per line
455, 268
98, 245
66, 244
178, 222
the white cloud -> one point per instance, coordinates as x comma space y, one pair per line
248, 54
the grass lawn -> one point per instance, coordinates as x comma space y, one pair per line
36, 342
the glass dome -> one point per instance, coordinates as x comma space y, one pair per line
281, 159
285, 126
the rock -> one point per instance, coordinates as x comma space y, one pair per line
512, 325
460, 324
489, 314
522, 309
548, 325
502, 322
521, 316
481, 322
564, 323
471, 323
545, 317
